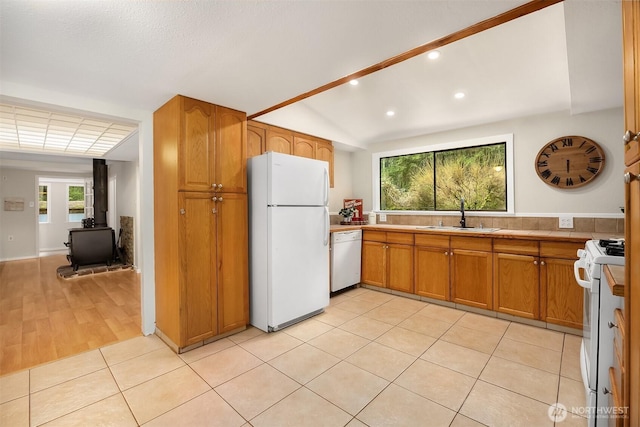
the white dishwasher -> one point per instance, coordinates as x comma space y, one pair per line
346, 249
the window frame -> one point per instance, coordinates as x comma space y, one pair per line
488, 140
48, 185
84, 198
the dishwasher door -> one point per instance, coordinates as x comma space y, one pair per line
346, 251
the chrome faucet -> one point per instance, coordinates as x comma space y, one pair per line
463, 221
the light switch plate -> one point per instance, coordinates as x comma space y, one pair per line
383, 217
565, 222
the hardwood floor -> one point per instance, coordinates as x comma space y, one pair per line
44, 317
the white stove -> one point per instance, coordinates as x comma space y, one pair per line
597, 352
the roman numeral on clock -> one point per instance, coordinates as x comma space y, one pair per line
595, 159
569, 182
590, 150
592, 170
567, 142
542, 164
545, 173
555, 180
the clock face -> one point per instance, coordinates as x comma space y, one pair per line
569, 162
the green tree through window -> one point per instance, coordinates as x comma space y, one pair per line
437, 180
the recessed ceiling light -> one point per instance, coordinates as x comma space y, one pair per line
391, 113
353, 82
459, 95
434, 54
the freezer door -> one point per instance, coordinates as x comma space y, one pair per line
298, 262
297, 181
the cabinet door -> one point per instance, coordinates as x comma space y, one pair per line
516, 282
279, 140
304, 146
472, 278
562, 297
198, 300
324, 151
432, 272
230, 150
374, 263
197, 136
400, 267
232, 261
256, 139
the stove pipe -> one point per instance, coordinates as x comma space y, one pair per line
100, 182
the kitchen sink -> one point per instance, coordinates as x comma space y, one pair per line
453, 228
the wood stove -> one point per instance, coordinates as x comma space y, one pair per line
89, 246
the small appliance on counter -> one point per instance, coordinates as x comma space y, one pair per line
289, 239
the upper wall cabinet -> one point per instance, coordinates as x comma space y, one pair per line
211, 143
279, 140
262, 138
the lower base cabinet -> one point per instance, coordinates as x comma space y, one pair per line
387, 260
562, 297
472, 272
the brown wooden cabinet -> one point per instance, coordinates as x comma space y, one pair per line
256, 139
472, 272
304, 146
262, 137
432, 256
561, 297
516, 277
387, 260
279, 140
324, 151
212, 143
200, 236
631, 73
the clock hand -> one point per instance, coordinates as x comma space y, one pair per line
567, 165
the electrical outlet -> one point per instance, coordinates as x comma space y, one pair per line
10, 238
565, 222
383, 217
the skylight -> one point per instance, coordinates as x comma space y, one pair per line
47, 132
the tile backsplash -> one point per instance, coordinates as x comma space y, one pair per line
587, 225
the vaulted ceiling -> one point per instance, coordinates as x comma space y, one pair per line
251, 55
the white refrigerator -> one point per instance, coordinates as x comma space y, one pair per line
288, 239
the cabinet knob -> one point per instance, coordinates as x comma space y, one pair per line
215, 199
220, 199
182, 212
542, 263
535, 262
606, 390
213, 211
628, 177
611, 325
213, 185
629, 136
446, 253
219, 185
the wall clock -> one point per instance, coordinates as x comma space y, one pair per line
569, 162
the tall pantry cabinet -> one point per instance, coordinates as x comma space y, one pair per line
201, 223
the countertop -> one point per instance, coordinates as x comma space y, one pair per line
615, 277
566, 236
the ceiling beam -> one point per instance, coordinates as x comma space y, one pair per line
525, 9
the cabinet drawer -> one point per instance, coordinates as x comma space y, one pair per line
374, 236
432, 240
566, 250
615, 400
515, 246
471, 243
403, 238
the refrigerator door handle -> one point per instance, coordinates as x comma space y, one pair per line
327, 230
326, 187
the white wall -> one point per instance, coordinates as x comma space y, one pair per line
126, 174
343, 188
23, 225
602, 197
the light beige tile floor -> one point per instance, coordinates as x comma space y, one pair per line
371, 359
